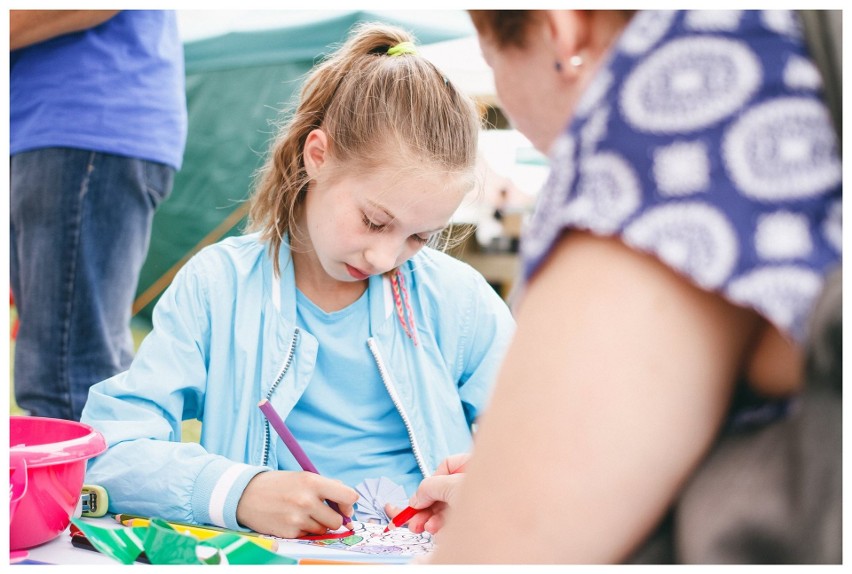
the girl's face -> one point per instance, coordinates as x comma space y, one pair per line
366, 223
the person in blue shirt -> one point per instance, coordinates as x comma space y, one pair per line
377, 350
97, 121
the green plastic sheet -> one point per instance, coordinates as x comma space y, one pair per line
162, 544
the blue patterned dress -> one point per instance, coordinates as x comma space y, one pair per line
704, 141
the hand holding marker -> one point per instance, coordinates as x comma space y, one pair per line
290, 441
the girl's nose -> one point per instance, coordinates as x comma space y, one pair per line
383, 255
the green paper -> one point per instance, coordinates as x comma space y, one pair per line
122, 544
163, 544
239, 550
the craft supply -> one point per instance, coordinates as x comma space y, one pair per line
374, 494
290, 441
162, 544
206, 532
94, 501
402, 517
123, 518
327, 536
330, 561
79, 540
397, 546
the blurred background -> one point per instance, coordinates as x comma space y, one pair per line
243, 69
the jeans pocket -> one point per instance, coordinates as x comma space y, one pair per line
159, 179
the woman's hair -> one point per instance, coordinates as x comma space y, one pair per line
369, 104
505, 27
510, 28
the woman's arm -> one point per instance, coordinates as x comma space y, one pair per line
28, 27
617, 380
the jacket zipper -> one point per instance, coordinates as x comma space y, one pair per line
290, 354
383, 373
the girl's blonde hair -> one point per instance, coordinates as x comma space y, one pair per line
368, 103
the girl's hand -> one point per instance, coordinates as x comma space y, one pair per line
435, 495
290, 504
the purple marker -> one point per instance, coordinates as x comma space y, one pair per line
290, 441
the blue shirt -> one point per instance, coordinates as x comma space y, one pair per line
345, 420
116, 88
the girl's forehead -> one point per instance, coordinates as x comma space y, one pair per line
394, 184
416, 197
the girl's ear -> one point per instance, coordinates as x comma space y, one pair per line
315, 152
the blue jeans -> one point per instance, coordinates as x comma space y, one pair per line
80, 224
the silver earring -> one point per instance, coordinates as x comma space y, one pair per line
575, 61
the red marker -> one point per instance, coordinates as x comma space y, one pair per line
403, 517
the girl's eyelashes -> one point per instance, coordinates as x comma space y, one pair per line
370, 225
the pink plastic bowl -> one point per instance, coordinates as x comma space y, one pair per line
54, 454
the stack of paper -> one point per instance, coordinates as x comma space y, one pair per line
374, 493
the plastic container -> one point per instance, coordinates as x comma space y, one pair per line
52, 455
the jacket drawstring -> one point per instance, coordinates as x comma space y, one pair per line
403, 305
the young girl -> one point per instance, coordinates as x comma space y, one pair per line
378, 352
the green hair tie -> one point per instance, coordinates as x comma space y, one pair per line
402, 48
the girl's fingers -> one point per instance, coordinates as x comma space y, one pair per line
417, 522
328, 517
437, 489
312, 526
335, 490
453, 464
435, 523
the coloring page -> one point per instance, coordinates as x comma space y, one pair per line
371, 539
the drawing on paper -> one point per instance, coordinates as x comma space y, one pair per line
371, 539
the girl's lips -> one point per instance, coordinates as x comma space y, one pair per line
356, 273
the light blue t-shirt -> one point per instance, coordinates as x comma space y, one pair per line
115, 88
345, 420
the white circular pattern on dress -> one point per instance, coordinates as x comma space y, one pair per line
782, 149
781, 22
541, 230
801, 74
783, 294
608, 192
594, 93
694, 238
682, 168
645, 29
594, 130
782, 235
712, 20
832, 226
689, 84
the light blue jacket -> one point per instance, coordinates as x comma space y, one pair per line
225, 337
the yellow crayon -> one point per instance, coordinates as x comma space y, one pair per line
203, 533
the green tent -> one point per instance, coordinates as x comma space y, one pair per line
236, 85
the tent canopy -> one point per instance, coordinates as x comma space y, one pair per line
236, 86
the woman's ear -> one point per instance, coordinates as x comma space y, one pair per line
315, 152
568, 33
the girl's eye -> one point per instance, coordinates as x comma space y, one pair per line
370, 225
420, 240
